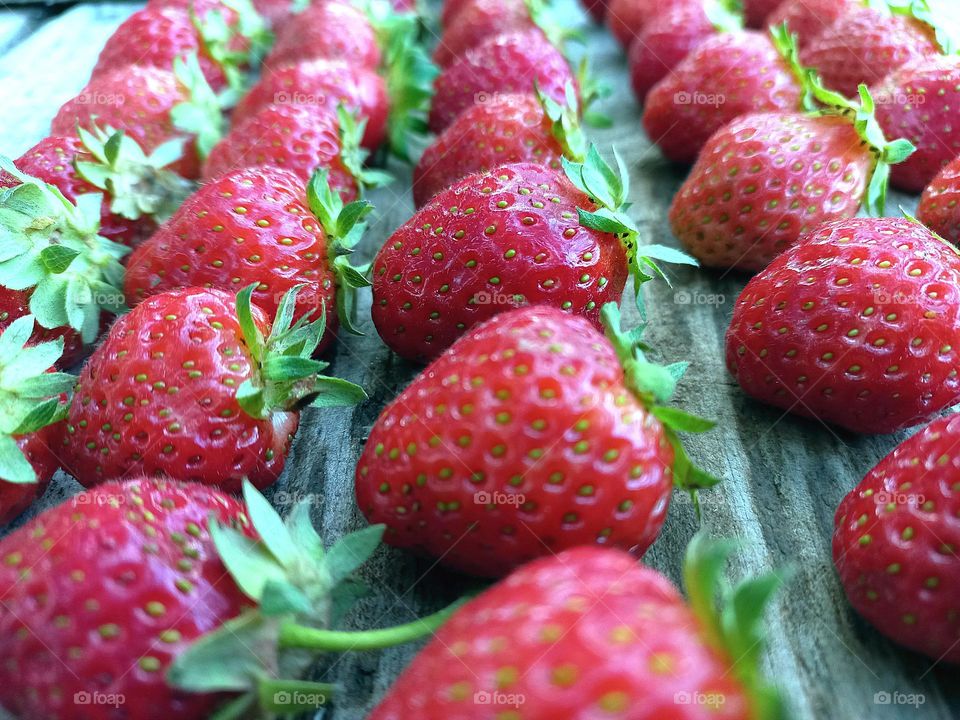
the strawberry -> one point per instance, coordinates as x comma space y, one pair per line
478, 20
145, 599
865, 45
153, 106
519, 234
921, 102
765, 180
626, 19
756, 12
590, 633
137, 189
728, 75
668, 38
332, 29
30, 400
939, 206
15, 304
501, 64
259, 225
556, 445
853, 326
320, 85
596, 8
895, 543
195, 386
507, 129
808, 18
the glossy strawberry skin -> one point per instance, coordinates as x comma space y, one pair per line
16, 303
726, 76
449, 268
156, 37
478, 20
290, 137
807, 19
921, 102
502, 64
626, 19
596, 8
864, 46
320, 85
121, 580
584, 634
857, 325
525, 428
332, 30
275, 241
507, 129
765, 180
137, 99
158, 397
755, 12
664, 42
939, 207
40, 450
895, 543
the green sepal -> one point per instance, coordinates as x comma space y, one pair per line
592, 91
52, 245
785, 43
565, 122
352, 153
726, 16
559, 33
136, 183
946, 34
202, 113
219, 39
731, 618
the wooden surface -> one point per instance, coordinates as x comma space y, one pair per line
784, 476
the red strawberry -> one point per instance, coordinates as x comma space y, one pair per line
756, 12
507, 129
186, 386
807, 19
939, 206
864, 46
596, 8
30, 414
478, 20
896, 538
626, 19
765, 180
525, 438
590, 633
921, 102
15, 304
499, 65
153, 106
725, 77
142, 599
321, 85
259, 225
855, 325
331, 29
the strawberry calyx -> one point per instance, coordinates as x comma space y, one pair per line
785, 43
219, 39
654, 385
30, 396
609, 190
343, 226
726, 16
731, 618
299, 589
288, 377
352, 153
564, 122
201, 114
946, 35
52, 245
592, 91
544, 17
863, 117
136, 183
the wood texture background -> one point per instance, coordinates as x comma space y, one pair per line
784, 476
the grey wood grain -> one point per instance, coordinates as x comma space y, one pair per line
784, 475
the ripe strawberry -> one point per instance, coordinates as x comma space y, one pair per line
259, 225
765, 180
501, 64
590, 633
895, 543
321, 85
864, 46
596, 8
556, 445
756, 12
626, 19
186, 386
808, 18
30, 398
478, 20
939, 206
921, 102
143, 599
334, 30
854, 326
153, 106
137, 189
15, 304
726, 76
507, 129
